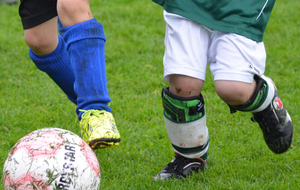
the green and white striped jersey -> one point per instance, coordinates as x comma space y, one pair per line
248, 18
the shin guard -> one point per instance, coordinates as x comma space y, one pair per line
185, 121
261, 98
272, 117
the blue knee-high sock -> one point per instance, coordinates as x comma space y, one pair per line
61, 28
58, 67
85, 44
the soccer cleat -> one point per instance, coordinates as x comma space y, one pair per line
98, 129
180, 167
276, 125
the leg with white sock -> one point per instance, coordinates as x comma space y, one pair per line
185, 120
268, 110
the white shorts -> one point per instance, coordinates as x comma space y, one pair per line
189, 47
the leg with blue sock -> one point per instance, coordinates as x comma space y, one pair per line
61, 28
185, 120
58, 67
85, 44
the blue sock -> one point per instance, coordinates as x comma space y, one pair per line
61, 28
58, 67
85, 44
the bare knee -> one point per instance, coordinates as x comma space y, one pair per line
234, 92
42, 39
185, 86
72, 12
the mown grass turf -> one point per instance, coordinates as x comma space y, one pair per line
238, 155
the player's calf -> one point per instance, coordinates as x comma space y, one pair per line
271, 115
185, 120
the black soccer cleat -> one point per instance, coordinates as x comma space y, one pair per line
180, 167
276, 125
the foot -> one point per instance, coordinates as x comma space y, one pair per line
180, 167
98, 129
276, 124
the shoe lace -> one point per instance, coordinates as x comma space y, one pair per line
99, 118
177, 165
88, 113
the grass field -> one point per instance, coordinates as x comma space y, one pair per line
238, 156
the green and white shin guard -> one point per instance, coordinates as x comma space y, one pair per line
261, 98
272, 117
185, 121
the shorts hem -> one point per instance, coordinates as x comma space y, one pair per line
234, 77
36, 20
183, 71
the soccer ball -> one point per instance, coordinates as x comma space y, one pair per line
51, 158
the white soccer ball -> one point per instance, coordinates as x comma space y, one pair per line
51, 158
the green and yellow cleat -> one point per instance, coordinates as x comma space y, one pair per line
98, 129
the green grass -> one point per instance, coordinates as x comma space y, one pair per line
238, 155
